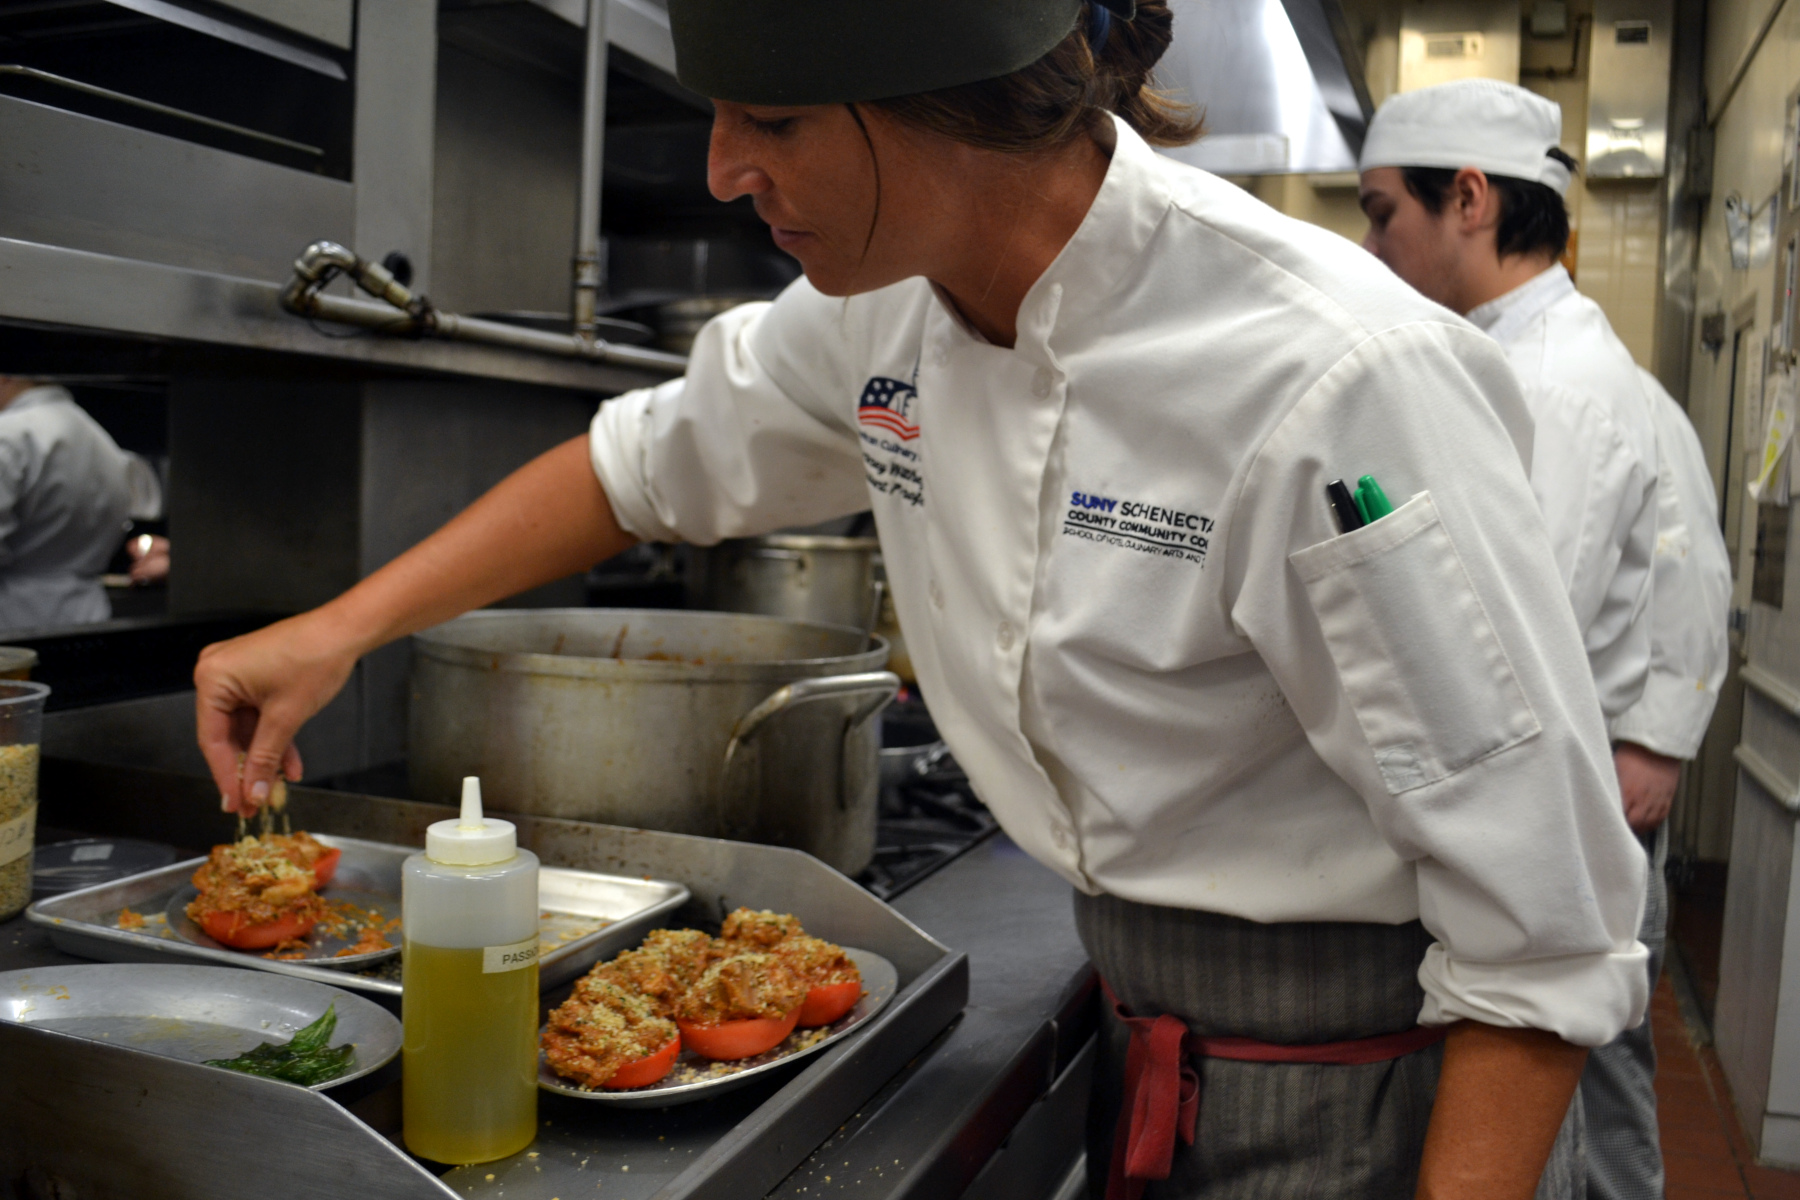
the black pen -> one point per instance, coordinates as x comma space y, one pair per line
1348, 516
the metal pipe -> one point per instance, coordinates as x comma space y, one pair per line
406, 313
593, 155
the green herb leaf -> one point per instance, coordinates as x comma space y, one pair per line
304, 1059
315, 1036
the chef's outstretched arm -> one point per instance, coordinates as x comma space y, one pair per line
1501, 1096
547, 520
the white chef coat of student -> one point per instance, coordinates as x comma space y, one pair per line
1165, 671
1593, 462
65, 492
1692, 594
1593, 468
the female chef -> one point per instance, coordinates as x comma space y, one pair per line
1344, 797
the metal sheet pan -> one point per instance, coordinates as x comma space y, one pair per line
880, 982
584, 916
194, 1013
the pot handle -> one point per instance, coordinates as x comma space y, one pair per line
882, 685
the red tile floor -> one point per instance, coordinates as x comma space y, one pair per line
1704, 1150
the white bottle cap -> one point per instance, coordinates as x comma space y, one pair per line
471, 840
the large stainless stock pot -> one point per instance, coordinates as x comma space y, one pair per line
721, 724
804, 577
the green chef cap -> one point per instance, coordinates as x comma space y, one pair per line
783, 52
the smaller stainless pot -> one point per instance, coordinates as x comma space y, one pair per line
803, 577
901, 765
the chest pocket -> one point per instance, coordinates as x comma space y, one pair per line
1424, 670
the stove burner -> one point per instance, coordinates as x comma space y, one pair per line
928, 818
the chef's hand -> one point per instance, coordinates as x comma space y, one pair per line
252, 695
149, 559
545, 521
1647, 781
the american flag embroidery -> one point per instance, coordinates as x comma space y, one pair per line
888, 404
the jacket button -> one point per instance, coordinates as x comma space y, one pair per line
1005, 635
1040, 383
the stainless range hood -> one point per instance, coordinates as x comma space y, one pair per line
1279, 81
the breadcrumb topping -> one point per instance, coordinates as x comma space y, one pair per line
761, 966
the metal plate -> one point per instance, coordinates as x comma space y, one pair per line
880, 981
583, 917
194, 1013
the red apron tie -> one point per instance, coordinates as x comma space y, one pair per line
1162, 1087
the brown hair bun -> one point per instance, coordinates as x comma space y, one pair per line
1059, 97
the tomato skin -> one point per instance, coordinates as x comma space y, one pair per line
231, 929
829, 1001
737, 1039
648, 1069
325, 867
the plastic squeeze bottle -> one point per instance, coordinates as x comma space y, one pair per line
470, 1005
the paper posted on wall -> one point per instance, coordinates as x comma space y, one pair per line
1774, 464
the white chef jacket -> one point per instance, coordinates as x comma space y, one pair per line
1691, 598
64, 497
1142, 635
1593, 468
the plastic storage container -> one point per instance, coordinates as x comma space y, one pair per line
470, 1005
21, 721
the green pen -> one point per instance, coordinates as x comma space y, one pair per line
1371, 501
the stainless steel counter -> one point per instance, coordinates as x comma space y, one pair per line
1014, 1065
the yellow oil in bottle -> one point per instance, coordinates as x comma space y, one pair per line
469, 1072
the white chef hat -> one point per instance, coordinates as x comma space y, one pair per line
1498, 127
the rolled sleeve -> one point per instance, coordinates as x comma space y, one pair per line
1538, 993
618, 439
1672, 715
1436, 666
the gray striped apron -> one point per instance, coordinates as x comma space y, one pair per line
1287, 1131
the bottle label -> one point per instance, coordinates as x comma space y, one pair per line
510, 958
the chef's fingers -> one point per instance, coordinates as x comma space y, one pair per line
225, 717
292, 769
217, 747
270, 748
1648, 809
